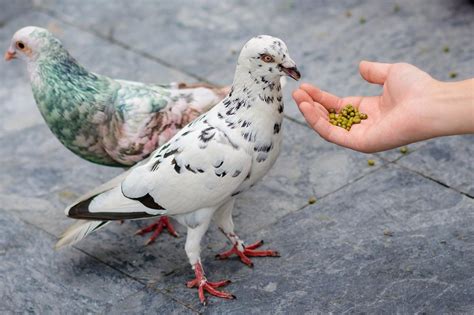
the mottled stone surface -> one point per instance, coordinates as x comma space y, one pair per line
397, 237
449, 160
10, 10
36, 279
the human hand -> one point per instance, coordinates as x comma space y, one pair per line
413, 107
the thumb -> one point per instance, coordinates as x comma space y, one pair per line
374, 72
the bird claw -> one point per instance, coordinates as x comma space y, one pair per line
157, 227
206, 286
248, 251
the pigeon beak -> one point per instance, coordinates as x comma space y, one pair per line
292, 72
9, 55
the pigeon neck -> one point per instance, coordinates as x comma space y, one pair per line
255, 92
69, 99
245, 78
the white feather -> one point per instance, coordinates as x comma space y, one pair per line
104, 187
114, 201
78, 231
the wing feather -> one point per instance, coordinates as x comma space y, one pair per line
200, 167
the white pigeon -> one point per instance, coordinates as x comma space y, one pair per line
198, 173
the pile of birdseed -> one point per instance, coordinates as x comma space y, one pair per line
347, 117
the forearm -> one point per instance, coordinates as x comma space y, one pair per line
453, 106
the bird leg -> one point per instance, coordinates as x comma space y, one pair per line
157, 227
201, 283
193, 251
226, 225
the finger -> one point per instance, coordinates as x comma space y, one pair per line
309, 112
322, 126
321, 110
300, 96
374, 72
326, 99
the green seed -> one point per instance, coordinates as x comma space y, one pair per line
404, 150
348, 116
362, 20
312, 200
446, 49
371, 162
453, 74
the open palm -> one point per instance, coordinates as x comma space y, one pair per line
394, 118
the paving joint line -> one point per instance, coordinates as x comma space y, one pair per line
394, 162
435, 180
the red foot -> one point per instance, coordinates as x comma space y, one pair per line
157, 227
248, 251
210, 287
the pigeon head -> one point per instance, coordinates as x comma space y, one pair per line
268, 56
31, 42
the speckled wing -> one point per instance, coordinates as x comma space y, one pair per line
147, 116
200, 167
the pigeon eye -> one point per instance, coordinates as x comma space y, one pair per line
267, 58
20, 45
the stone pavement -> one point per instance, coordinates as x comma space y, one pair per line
397, 237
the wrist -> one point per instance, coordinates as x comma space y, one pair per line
452, 104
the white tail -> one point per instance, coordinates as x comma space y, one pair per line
78, 231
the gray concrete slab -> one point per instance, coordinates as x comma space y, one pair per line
11, 9
449, 160
38, 177
36, 279
148, 301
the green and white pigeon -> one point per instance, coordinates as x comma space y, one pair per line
106, 121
